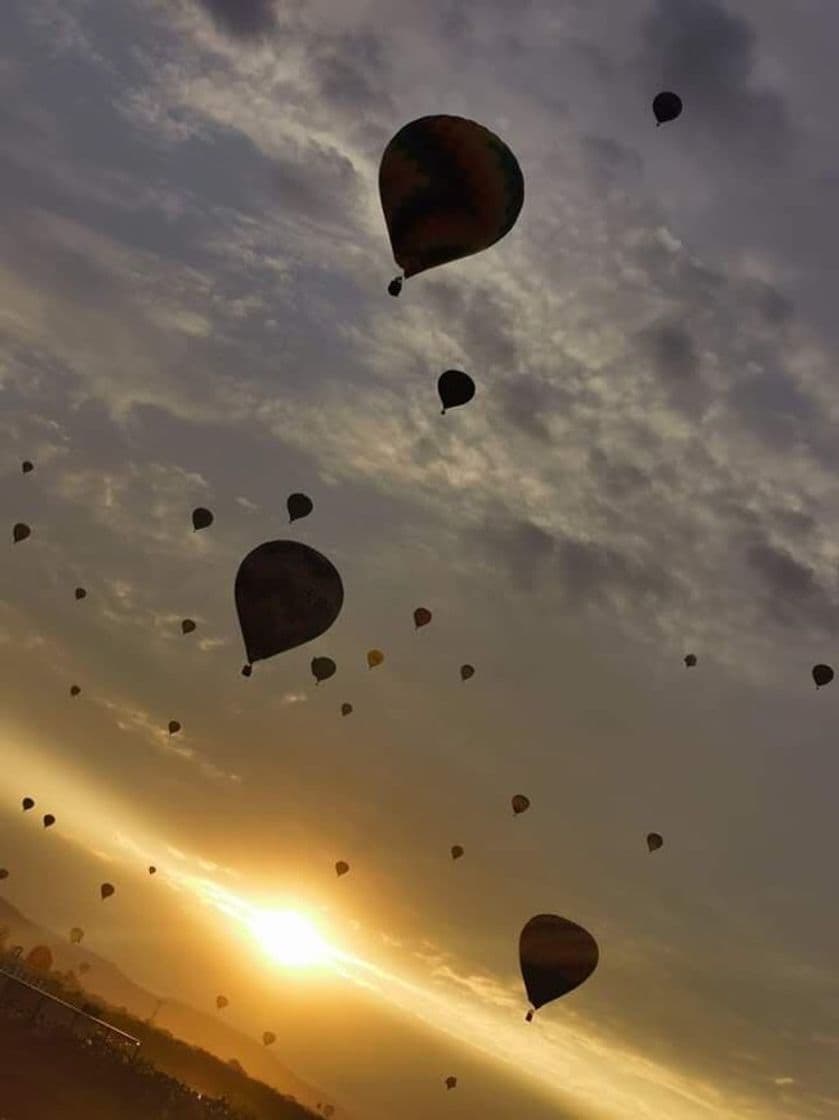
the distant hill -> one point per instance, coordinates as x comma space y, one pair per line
105, 980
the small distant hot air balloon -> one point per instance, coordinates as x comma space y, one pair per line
822, 675
457, 851
451, 1082
152, 870
187, 626
556, 956
422, 617
201, 518
690, 660
520, 803
455, 388
666, 107
26, 466
4, 874
49, 820
20, 532
80, 593
106, 890
298, 505
76, 935
247, 670
467, 671
374, 657
654, 841
341, 868
221, 1002
27, 804
74, 690
268, 1038
346, 709
174, 727
323, 668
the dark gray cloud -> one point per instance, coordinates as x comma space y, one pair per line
244, 19
672, 352
793, 591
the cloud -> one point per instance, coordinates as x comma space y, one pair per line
243, 19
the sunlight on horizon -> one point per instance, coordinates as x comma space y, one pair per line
290, 938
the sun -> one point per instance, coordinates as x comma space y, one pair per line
289, 938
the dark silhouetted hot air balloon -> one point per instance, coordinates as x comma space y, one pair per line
222, 1002
341, 868
74, 690
822, 675
106, 890
26, 466
268, 1038
201, 518
666, 107
374, 657
451, 1082
654, 841
4, 874
323, 668
49, 820
520, 803
76, 935
247, 670
457, 851
467, 671
449, 188
152, 870
455, 388
690, 660
422, 617
346, 709
80, 593
187, 626
20, 532
286, 594
174, 727
556, 956
298, 505
27, 804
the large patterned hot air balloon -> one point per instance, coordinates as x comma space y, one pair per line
556, 956
449, 188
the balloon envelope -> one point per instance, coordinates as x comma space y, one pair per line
666, 106
822, 675
449, 188
20, 532
152, 870
201, 518
346, 709
299, 505
323, 668
26, 466
268, 1037
341, 868
80, 593
654, 841
221, 1002
27, 804
457, 851
287, 594
422, 617
49, 820
467, 671
451, 1082
74, 690
106, 890
174, 727
187, 626
247, 670
556, 956
520, 803
690, 660
455, 388
374, 657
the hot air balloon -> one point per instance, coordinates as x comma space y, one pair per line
187, 626
346, 709
106, 890
74, 690
690, 660
39, 958
467, 671
822, 675
49, 820
341, 868
174, 727
152, 870
422, 617
268, 1038
556, 956
221, 1002
457, 851
20, 532
520, 803
374, 657
455, 388
666, 107
4, 874
27, 804
451, 1082
449, 188
26, 466
286, 594
247, 670
80, 593
299, 505
201, 518
323, 668
76, 935
654, 841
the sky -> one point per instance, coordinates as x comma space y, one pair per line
193, 311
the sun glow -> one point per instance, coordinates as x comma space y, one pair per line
289, 938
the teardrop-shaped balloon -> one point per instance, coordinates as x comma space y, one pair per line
374, 657
520, 803
247, 670
323, 668
201, 518
341, 868
27, 804
187, 626
49, 820
346, 709
76, 935
422, 617
666, 106
80, 593
287, 594
455, 388
449, 188
152, 870
690, 660
556, 956
298, 505
26, 466
74, 690
268, 1038
221, 1002
451, 1082
4, 873
654, 841
106, 890
467, 671
20, 532
457, 851
822, 675
174, 727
